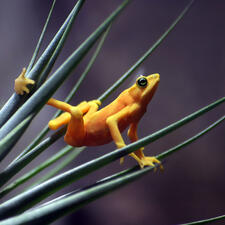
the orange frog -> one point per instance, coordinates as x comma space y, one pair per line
88, 126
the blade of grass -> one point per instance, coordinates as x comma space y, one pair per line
137, 64
13, 103
69, 97
114, 176
159, 156
127, 74
55, 210
29, 198
68, 203
146, 54
59, 47
47, 54
16, 100
41, 96
68, 150
207, 221
106, 179
11, 138
40, 40
11, 170
89, 66
70, 158
190, 140
72, 155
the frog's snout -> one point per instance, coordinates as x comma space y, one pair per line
154, 76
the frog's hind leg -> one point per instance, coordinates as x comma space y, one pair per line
59, 121
59, 104
73, 116
75, 133
64, 118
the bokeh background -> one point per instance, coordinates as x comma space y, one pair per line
191, 62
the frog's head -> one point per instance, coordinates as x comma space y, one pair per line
145, 87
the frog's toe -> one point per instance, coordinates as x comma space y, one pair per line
29, 81
25, 89
59, 121
21, 83
21, 86
96, 101
121, 160
150, 161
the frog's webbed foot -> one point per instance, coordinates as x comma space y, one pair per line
150, 161
96, 101
145, 160
21, 83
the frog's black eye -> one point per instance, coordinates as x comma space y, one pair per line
142, 82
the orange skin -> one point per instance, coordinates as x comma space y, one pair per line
89, 127
21, 83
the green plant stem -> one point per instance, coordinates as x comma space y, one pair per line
23, 112
159, 156
207, 221
176, 148
11, 170
41, 96
44, 131
89, 66
51, 212
67, 203
43, 77
122, 79
68, 150
70, 158
147, 53
117, 84
104, 180
15, 100
69, 97
31, 197
12, 137
44, 74
37, 49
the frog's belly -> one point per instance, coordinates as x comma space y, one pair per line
99, 134
97, 138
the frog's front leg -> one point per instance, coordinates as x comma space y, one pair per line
138, 155
21, 83
112, 123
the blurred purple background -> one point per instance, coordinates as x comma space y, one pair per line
191, 62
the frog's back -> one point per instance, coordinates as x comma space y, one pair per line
97, 131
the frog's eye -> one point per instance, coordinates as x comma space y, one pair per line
142, 82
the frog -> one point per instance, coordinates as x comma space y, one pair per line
87, 125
